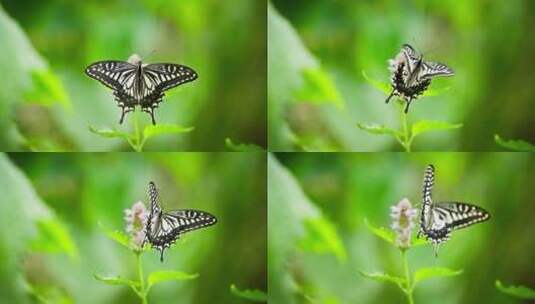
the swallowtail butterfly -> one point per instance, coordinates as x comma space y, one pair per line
411, 75
438, 220
135, 83
164, 228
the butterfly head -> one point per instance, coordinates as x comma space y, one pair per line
134, 59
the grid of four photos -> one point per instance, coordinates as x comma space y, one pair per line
306, 151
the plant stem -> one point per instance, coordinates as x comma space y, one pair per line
406, 140
136, 143
142, 291
408, 287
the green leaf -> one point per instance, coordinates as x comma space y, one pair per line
117, 281
434, 272
521, 292
110, 132
242, 147
515, 145
318, 88
118, 236
155, 130
322, 238
383, 277
169, 275
380, 85
254, 295
378, 129
383, 233
47, 89
390, 236
54, 237
21, 211
432, 125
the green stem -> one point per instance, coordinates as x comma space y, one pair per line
138, 144
406, 138
408, 287
142, 291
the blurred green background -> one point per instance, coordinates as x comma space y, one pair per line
47, 101
52, 205
318, 51
318, 241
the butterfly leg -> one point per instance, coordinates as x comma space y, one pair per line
161, 254
390, 96
409, 100
124, 110
150, 110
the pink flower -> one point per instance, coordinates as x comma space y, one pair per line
136, 219
403, 216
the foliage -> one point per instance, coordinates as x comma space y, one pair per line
408, 282
242, 147
253, 295
521, 292
514, 145
142, 285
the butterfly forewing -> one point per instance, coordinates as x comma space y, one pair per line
112, 73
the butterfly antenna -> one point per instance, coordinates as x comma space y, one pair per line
149, 54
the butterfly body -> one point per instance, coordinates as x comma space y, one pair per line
137, 84
411, 75
438, 220
164, 228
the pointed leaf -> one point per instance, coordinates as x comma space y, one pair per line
380, 85
432, 125
318, 88
254, 295
116, 280
322, 238
169, 275
109, 132
154, 130
242, 147
515, 145
390, 236
118, 236
434, 272
521, 292
383, 277
378, 129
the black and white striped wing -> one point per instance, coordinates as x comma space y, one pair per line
175, 223
164, 76
411, 57
456, 215
426, 215
433, 69
112, 73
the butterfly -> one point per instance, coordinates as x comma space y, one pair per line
135, 83
438, 220
411, 75
164, 228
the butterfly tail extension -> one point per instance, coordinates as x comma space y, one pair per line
409, 100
